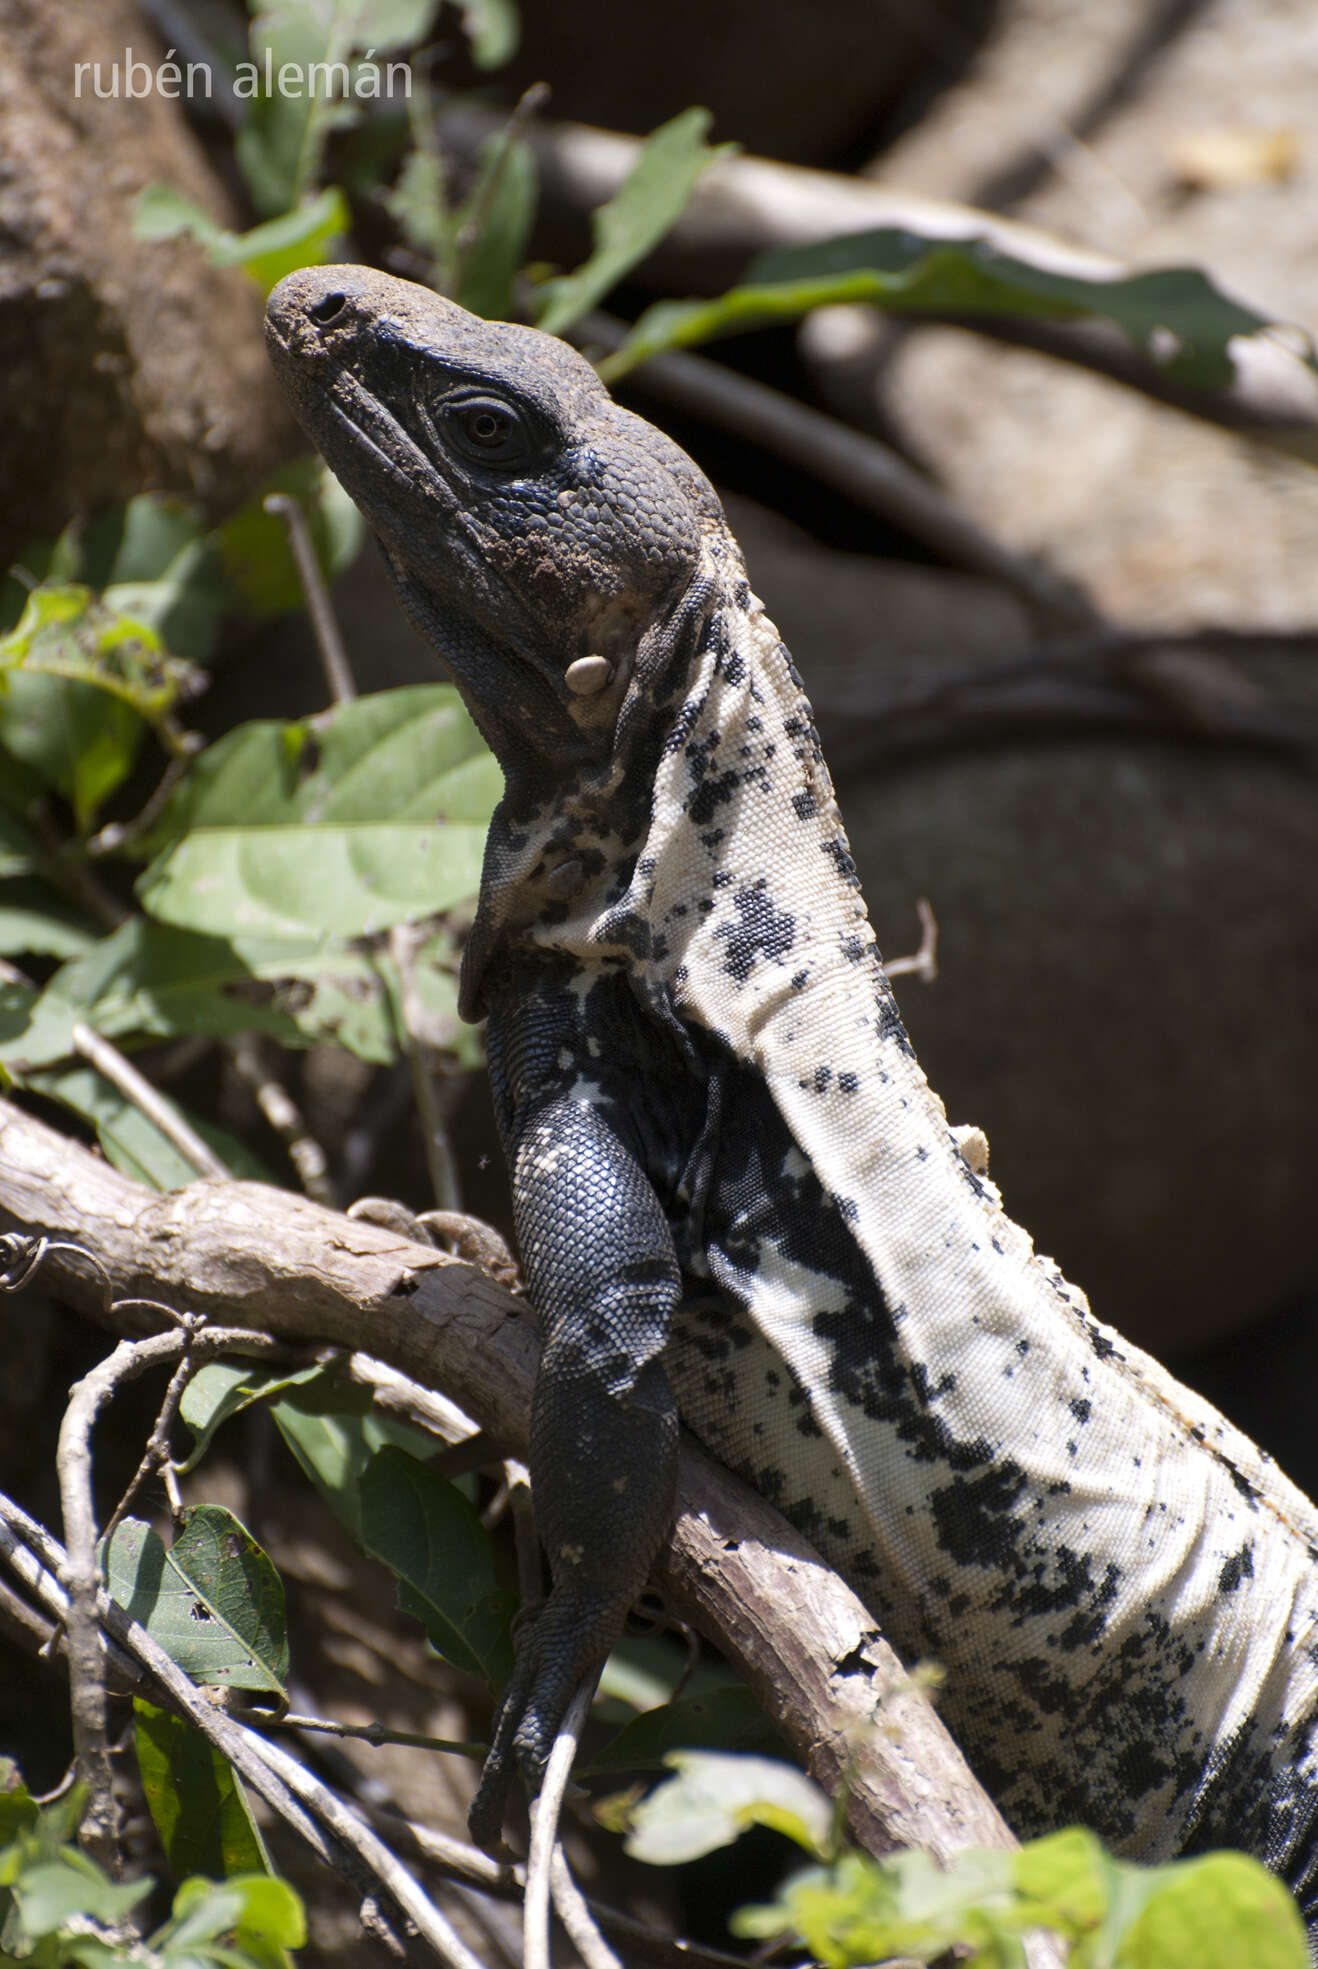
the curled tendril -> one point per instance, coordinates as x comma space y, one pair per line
23, 1252
20, 1254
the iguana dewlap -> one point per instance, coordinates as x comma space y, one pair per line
737, 1199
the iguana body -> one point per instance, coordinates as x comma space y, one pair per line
730, 1177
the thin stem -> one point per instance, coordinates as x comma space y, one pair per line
159, 1111
376, 1733
324, 626
545, 1812
284, 1116
88, 1702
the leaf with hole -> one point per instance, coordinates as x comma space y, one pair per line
212, 1600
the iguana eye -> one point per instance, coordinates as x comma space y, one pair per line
487, 430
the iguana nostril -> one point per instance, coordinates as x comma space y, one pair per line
327, 309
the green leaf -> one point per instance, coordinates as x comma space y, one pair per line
727, 1718
504, 201
33, 919
417, 205
55, 1892
651, 197
329, 828
132, 1144
212, 1600
334, 1448
65, 641
302, 237
161, 212
713, 1799
253, 544
263, 1915
225, 1388
146, 980
492, 30
196, 1801
1215, 1912
1176, 315
281, 142
434, 1543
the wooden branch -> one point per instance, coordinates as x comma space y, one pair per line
276, 1262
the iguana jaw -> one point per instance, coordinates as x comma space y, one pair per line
522, 566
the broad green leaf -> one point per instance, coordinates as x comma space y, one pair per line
57, 1892
504, 201
329, 828
33, 918
1176, 315
148, 980
195, 1799
301, 237
298, 881
1211, 1913
335, 1448
264, 1916
151, 561
726, 1719
434, 1543
636, 218
141, 540
82, 742
492, 30
227, 1387
253, 544
18, 1808
132, 1144
861, 1910
212, 1600
161, 212
79, 678
713, 1799
1215, 1912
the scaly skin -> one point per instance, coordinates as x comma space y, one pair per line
737, 1198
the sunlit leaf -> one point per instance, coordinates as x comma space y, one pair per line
1176, 315
715, 1796
636, 218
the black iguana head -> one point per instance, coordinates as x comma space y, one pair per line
538, 533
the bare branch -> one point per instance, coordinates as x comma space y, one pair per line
545, 1813
88, 1702
280, 1263
162, 1113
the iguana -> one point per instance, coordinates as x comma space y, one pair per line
736, 1197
